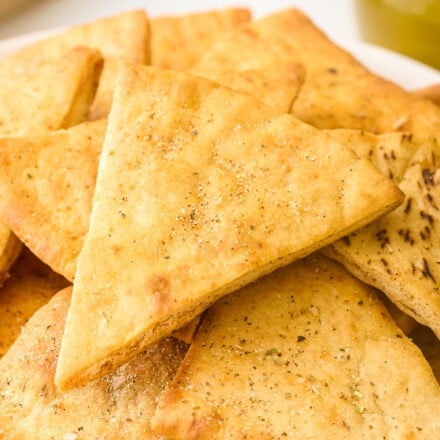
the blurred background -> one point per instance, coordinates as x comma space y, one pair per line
411, 27
33, 15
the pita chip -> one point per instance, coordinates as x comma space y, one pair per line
31, 285
47, 202
307, 352
122, 37
178, 42
192, 203
54, 94
285, 37
277, 86
367, 103
391, 153
47, 185
118, 406
398, 253
339, 92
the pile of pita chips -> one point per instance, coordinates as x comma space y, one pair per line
118, 406
123, 37
307, 352
201, 190
339, 92
48, 181
177, 42
31, 285
192, 203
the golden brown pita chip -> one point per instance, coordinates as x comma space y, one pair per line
47, 185
115, 407
31, 285
277, 86
178, 42
192, 202
338, 93
307, 352
36, 98
399, 253
121, 37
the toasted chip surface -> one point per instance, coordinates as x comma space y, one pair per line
178, 42
49, 94
192, 203
31, 285
114, 407
305, 352
277, 86
47, 183
47, 203
398, 253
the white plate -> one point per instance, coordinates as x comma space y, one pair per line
402, 70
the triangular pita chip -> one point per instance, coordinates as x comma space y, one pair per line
47, 185
118, 406
338, 92
46, 96
53, 222
178, 42
122, 37
30, 286
399, 253
192, 203
307, 352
